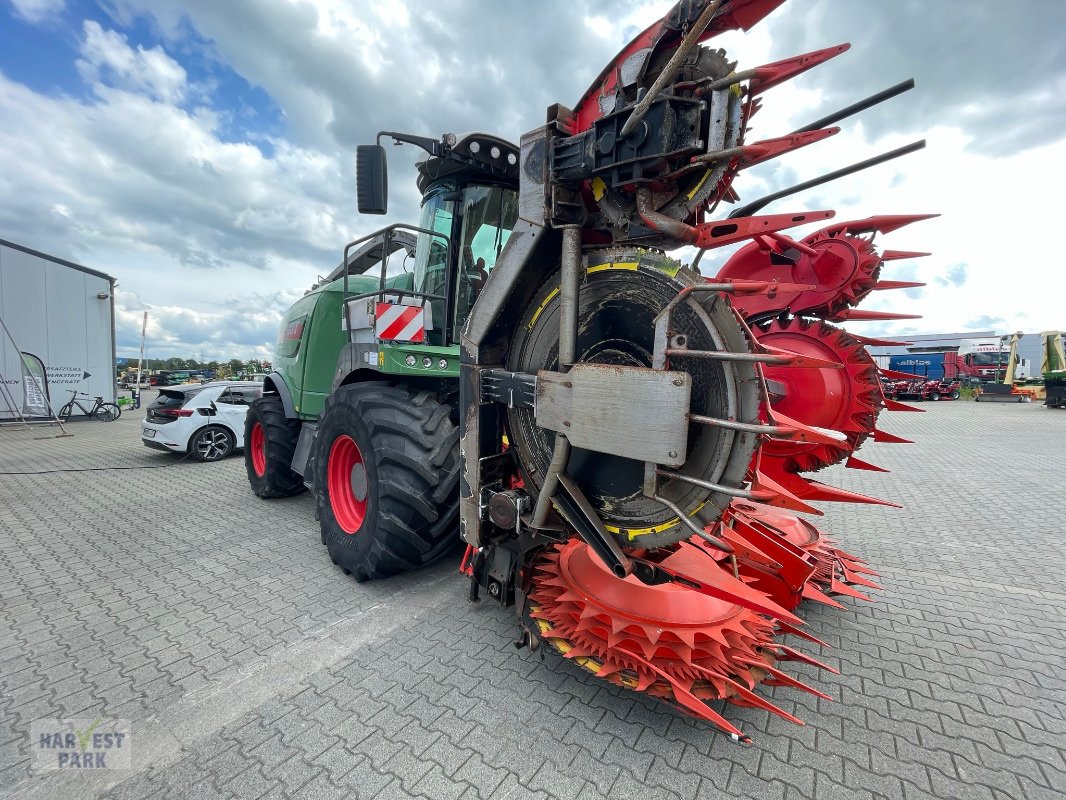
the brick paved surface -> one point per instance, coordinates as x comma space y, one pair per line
251, 667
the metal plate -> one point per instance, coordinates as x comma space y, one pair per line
633, 412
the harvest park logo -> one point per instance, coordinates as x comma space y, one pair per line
80, 744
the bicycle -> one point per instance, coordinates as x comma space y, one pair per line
105, 412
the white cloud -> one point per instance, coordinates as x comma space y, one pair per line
139, 179
108, 59
37, 10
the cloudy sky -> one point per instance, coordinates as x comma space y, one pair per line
203, 152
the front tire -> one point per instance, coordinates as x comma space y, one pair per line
212, 443
386, 473
269, 445
934, 396
65, 412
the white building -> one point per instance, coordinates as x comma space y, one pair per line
62, 313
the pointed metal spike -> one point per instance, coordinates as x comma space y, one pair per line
647, 648
857, 565
770, 75
862, 315
895, 375
750, 697
831, 494
899, 255
874, 342
810, 490
684, 697
896, 405
652, 633
787, 680
839, 587
768, 149
882, 223
780, 496
644, 680
784, 627
854, 463
811, 592
792, 654
882, 286
687, 636
743, 14
853, 577
717, 582
889, 438
744, 550
806, 489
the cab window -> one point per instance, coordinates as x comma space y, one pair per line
489, 213
431, 257
289, 337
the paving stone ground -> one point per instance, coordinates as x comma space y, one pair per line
251, 667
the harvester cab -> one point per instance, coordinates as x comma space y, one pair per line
469, 190
614, 436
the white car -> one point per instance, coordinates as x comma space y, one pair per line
204, 420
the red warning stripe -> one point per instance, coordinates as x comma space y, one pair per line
400, 322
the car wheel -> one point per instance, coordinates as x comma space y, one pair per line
108, 412
211, 444
386, 473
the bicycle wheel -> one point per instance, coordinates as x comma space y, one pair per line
107, 412
65, 412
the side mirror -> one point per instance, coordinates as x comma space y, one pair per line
371, 179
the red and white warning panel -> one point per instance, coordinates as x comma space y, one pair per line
394, 322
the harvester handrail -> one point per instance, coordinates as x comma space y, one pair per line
382, 290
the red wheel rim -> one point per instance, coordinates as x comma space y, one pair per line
348, 484
258, 450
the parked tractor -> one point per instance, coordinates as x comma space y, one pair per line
920, 388
617, 439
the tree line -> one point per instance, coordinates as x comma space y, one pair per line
234, 366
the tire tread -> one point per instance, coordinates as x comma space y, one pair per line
416, 451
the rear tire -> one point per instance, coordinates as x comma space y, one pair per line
212, 443
269, 445
107, 412
386, 472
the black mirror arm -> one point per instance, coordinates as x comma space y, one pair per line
432, 146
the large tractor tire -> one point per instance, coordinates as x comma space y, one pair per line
269, 444
386, 472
